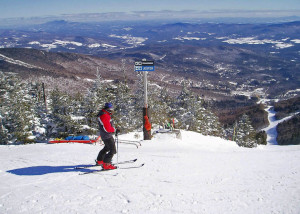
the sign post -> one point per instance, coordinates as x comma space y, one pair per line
145, 66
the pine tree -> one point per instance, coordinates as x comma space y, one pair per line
160, 101
62, 122
192, 115
124, 116
245, 133
40, 111
95, 99
16, 111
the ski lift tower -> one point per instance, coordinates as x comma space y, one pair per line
145, 66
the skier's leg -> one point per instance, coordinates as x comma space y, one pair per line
112, 150
103, 152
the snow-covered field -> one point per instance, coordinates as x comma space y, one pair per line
196, 174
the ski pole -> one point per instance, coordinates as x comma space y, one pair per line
117, 148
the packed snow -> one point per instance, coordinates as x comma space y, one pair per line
271, 130
194, 174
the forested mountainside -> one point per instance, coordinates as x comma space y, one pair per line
289, 131
286, 107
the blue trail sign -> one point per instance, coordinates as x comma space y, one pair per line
144, 66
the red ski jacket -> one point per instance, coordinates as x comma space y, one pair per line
105, 124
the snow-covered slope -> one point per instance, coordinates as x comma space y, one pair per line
196, 174
271, 130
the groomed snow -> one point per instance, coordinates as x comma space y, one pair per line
197, 174
271, 130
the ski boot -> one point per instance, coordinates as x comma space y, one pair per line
108, 166
99, 163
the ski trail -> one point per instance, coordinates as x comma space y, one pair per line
271, 129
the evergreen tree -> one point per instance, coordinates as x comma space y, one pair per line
16, 110
124, 116
40, 111
245, 133
191, 114
95, 99
63, 124
160, 101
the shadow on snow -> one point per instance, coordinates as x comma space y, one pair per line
42, 170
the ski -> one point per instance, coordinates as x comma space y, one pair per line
94, 165
103, 170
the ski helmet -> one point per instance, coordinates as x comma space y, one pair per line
108, 105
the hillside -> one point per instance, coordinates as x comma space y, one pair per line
32, 62
192, 175
286, 107
289, 131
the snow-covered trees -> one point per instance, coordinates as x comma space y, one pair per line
95, 98
125, 115
245, 133
23, 116
63, 109
16, 110
160, 105
189, 110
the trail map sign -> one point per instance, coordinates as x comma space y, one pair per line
144, 66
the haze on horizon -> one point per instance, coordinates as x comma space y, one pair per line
201, 8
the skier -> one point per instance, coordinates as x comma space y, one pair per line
106, 132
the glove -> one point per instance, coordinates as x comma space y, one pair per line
117, 131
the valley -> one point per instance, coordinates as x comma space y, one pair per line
231, 66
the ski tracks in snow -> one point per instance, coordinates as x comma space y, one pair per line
178, 177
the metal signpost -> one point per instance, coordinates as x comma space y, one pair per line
145, 66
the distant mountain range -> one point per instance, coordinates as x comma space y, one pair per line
219, 60
206, 16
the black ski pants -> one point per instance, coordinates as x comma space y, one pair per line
107, 153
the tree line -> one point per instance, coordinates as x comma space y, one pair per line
26, 117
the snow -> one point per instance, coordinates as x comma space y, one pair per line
198, 174
271, 129
64, 43
131, 40
292, 92
57, 43
97, 45
188, 38
297, 41
34, 43
49, 46
254, 41
283, 45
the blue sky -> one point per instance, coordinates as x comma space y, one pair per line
31, 8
